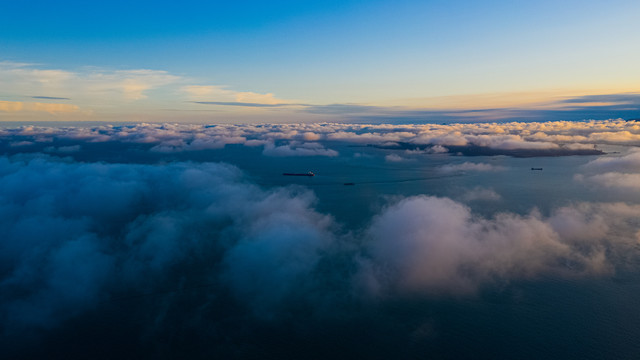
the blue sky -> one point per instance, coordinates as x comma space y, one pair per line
416, 55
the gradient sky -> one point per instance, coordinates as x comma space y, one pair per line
254, 61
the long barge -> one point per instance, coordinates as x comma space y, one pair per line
299, 174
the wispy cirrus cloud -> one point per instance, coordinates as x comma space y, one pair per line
88, 84
52, 108
129, 90
223, 96
599, 107
50, 98
245, 104
117, 91
614, 99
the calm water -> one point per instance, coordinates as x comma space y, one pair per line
595, 318
548, 318
580, 319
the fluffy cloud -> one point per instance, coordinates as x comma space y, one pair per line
628, 162
296, 149
619, 172
614, 180
277, 253
480, 194
516, 139
435, 245
469, 166
394, 158
76, 234
63, 149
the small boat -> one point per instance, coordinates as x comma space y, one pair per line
349, 184
536, 169
295, 174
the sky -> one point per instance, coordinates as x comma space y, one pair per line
476, 167
290, 61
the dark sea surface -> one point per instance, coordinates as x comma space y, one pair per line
544, 318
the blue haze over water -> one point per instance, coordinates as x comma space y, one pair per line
549, 317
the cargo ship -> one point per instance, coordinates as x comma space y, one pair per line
302, 174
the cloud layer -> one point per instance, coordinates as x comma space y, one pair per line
515, 139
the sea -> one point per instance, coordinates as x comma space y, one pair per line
542, 318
